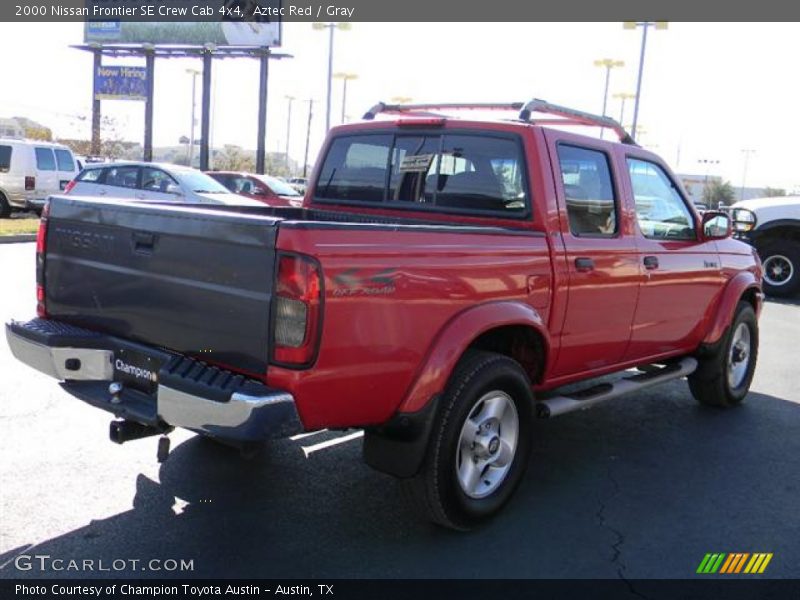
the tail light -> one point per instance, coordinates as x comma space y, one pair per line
41, 246
69, 186
298, 299
30, 183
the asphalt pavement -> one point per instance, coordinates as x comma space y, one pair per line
641, 487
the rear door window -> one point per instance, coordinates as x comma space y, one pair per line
45, 161
453, 172
5, 159
588, 190
64, 160
125, 177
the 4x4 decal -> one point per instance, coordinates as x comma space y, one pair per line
359, 282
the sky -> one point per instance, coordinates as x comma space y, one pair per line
709, 90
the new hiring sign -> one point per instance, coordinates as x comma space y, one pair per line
120, 83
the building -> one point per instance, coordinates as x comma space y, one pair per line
10, 128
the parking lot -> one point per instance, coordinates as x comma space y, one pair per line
641, 487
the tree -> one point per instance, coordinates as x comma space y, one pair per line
233, 158
771, 192
716, 192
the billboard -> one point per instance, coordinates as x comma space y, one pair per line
225, 33
120, 83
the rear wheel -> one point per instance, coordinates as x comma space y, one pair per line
781, 261
480, 442
5, 207
723, 378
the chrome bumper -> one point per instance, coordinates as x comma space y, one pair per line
255, 413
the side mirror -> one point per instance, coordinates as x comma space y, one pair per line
716, 225
744, 220
174, 188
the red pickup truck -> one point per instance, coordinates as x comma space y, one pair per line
444, 276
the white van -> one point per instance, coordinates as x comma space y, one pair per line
30, 171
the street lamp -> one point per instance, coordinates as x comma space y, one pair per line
345, 77
288, 131
645, 25
330, 27
308, 135
623, 96
747, 152
194, 73
707, 162
607, 64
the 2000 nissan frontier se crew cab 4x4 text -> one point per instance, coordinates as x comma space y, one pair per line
442, 275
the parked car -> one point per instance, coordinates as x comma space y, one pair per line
270, 190
152, 182
30, 171
774, 230
443, 280
299, 184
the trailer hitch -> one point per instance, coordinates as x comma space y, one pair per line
125, 431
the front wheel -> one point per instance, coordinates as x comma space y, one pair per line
480, 442
781, 263
723, 378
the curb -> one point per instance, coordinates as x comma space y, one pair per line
15, 239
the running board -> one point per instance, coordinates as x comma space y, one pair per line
558, 405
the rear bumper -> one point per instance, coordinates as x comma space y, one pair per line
186, 393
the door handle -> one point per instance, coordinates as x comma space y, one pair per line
144, 242
102, 192
584, 264
650, 262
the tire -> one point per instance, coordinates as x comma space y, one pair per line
5, 207
781, 260
723, 378
471, 469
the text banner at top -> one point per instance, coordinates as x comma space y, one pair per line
265, 11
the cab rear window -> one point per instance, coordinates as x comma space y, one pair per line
5, 159
451, 172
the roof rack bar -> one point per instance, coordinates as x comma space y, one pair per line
572, 116
382, 107
566, 115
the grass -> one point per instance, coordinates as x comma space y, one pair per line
18, 226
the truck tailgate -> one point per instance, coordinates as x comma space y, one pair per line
198, 282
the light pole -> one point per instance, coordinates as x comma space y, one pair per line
194, 73
288, 131
345, 77
622, 97
607, 64
308, 135
645, 25
747, 152
707, 162
330, 27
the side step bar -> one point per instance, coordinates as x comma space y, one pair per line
559, 405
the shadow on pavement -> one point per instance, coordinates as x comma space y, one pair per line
639, 488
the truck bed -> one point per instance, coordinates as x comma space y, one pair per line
196, 281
